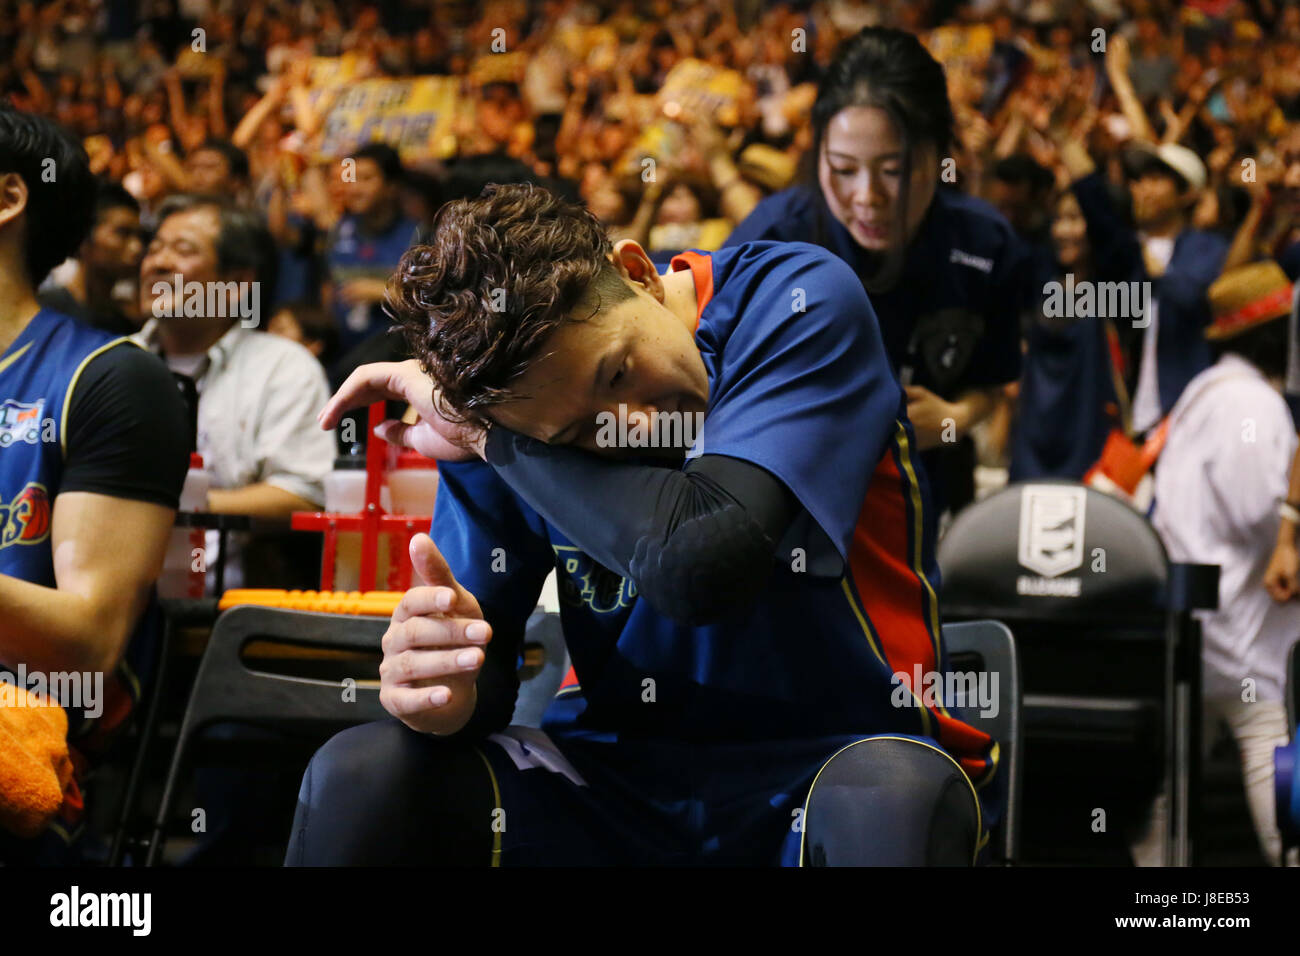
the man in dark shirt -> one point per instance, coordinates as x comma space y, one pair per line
93, 453
103, 290
1168, 346
366, 244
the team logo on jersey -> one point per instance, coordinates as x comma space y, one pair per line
946, 340
982, 263
26, 519
1051, 528
20, 421
586, 582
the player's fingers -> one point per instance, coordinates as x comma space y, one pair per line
435, 632
420, 601
438, 632
416, 665
432, 567
412, 701
423, 436
393, 432
445, 599
366, 385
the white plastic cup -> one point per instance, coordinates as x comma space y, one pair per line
345, 491
414, 490
184, 565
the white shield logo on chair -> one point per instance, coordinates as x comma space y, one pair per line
1051, 528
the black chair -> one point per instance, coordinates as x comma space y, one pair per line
1109, 649
987, 647
226, 689
176, 614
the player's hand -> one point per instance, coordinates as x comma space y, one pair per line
432, 436
930, 415
433, 649
1283, 572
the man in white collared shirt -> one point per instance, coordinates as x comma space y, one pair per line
1218, 484
258, 393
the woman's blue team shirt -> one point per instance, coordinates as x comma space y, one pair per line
952, 321
954, 315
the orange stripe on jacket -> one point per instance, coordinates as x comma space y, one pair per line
701, 267
885, 566
884, 563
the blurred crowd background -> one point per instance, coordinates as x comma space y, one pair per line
672, 119
342, 126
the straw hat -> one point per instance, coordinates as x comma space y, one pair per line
1247, 297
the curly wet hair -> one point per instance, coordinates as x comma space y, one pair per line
498, 275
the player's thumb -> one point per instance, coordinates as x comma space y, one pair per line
393, 432
429, 564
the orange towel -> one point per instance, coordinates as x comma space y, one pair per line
36, 772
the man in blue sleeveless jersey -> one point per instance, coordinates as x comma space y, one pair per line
737, 622
93, 453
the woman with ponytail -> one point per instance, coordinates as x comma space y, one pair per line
947, 277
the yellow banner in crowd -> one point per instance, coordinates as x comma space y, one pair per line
691, 88
331, 70
415, 115
969, 45
694, 86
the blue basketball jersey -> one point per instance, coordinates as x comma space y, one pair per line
39, 373
799, 384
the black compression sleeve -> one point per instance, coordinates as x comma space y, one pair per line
128, 430
497, 687
697, 541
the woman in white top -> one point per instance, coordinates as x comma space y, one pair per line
1218, 484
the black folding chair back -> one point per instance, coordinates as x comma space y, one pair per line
176, 613
227, 689
988, 648
1108, 649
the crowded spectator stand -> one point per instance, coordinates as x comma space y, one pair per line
719, 99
